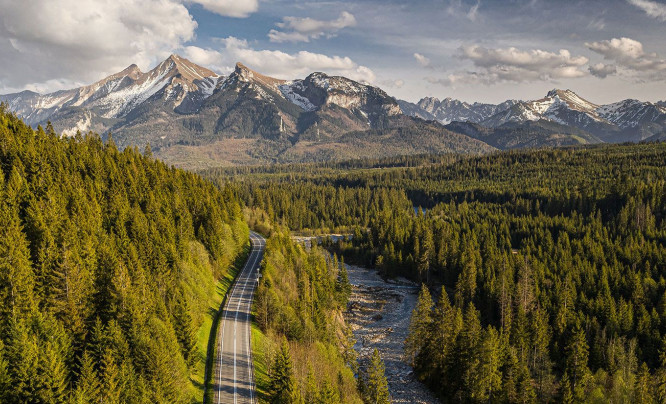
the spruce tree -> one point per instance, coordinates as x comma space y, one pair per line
282, 384
419, 326
375, 386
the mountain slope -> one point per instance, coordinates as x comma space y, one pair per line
194, 117
628, 120
449, 110
532, 134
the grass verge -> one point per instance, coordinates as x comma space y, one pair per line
261, 379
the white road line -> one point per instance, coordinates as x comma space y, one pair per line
257, 247
247, 278
226, 316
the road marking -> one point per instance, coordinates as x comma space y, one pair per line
257, 246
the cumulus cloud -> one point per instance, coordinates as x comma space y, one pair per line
230, 8
277, 63
497, 65
49, 44
651, 8
602, 70
295, 29
422, 60
629, 54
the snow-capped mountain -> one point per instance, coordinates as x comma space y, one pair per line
193, 116
175, 81
450, 110
628, 120
182, 109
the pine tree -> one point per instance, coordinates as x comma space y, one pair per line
16, 275
88, 385
643, 388
576, 364
487, 379
328, 394
5, 379
282, 383
419, 326
111, 380
375, 386
185, 330
52, 375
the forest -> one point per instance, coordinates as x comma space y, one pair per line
303, 345
108, 260
543, 270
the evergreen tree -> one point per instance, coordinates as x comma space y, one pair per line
643, 388
282, 384
487, 379
375, 386
576, 364
88, 386
419, 326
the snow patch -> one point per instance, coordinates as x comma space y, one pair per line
287, 91
82, 125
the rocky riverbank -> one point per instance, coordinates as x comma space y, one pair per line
379, 314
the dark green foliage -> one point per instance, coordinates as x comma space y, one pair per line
299, 302
103, 255
552, 262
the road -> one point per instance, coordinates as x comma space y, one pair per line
233, 380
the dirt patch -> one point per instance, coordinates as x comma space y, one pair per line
379, 314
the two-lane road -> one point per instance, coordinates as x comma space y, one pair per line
233, 378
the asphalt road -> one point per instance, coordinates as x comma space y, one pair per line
233, 380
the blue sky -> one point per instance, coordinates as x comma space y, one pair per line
474, 50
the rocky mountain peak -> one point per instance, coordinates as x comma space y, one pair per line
244, 74
188, 71
132, 71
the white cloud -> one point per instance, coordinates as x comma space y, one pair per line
230, 8
473, 12
392, 83
602, 70
277, 63
43, 41
629, 54
422, 60
651, 8
295, 29
499, 65
456, 8
597, 24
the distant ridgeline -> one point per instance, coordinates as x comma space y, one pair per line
106, 261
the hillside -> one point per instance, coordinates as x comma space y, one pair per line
108, 264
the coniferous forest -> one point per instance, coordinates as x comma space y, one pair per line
107, 261
544, 271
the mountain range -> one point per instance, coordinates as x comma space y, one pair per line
196, 118
625, 121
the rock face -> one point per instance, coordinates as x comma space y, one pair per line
180, 108
450, 110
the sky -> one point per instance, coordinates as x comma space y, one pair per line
472, 50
